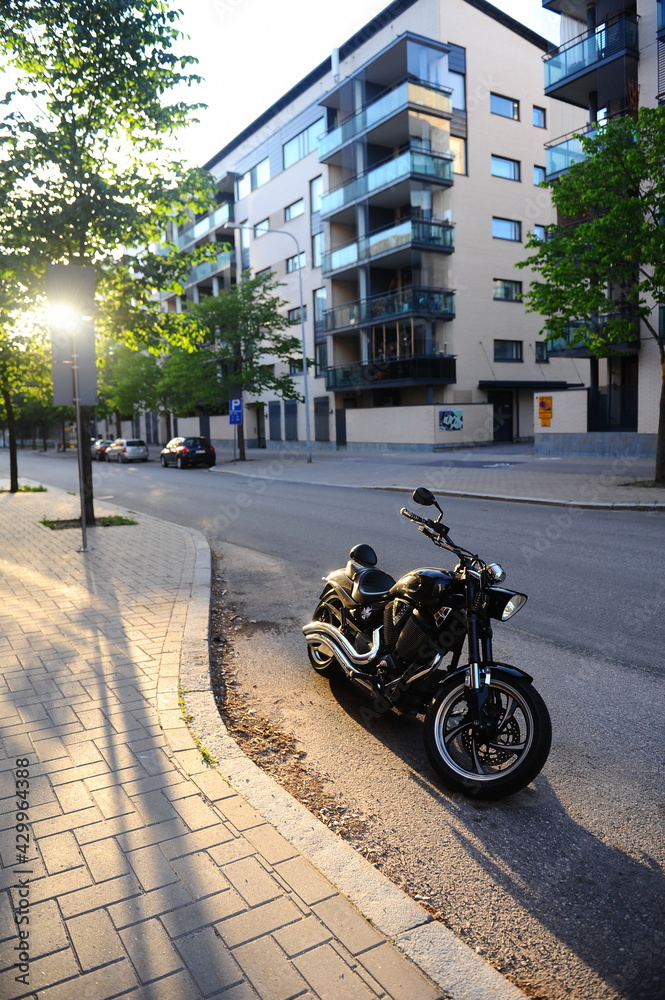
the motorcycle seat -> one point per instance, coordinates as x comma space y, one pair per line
371, 585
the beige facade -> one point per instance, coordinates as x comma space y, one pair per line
405, 170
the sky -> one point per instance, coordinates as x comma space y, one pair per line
251, 52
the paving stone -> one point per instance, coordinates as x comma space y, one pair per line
213, 785
151, 867
112, 801
231, 850
54, 968
203, 913
240, 813
260, 920
154, 807
143, 836
178, 986
100, 984
149, 904
95, 940
94, 896
60, 852
54, 886
196, 813
397, 974
331, 978
73, 796
298, 937
347, 925
269, 971
119, 826
209, 961
190, 843
105, 859
47, 929
304, 879
69, 821
252, 881
270, 844
150, 949
201, 874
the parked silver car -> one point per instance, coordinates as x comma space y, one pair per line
127, 450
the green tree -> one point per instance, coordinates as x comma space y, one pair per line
603, 271
243, 326
87, 166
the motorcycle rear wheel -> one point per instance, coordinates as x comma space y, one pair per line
484, 767
323, 662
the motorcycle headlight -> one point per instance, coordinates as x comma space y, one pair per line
504, 603
497, 572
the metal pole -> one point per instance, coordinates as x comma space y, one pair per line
79, 443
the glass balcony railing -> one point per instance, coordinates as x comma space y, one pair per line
208, 267
592, 47
660, 6
413, 161
409, 368
563, 152
197, 230
421, 301
417, 92
437, 235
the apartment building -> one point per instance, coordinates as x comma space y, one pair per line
610, 61
392, 192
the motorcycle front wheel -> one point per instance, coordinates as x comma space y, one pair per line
501, 758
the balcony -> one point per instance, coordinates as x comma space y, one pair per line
561, 153
570, 70
436, 302
209, 267
414, 163
400, 238
195, 231
572, 343
421, 95
409, 369
660, 26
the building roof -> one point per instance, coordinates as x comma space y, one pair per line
372, 28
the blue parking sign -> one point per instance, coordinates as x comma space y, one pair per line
235, 411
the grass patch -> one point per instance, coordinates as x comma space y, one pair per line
189, 718
649, 483
75, 522
28, 489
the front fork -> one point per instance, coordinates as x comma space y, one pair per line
477, 678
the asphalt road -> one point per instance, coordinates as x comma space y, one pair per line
558, 886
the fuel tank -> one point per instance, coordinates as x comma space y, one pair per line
430, 587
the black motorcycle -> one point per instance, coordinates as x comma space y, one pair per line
487, 730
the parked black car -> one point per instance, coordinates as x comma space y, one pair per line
185, 451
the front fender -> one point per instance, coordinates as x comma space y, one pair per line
497, 670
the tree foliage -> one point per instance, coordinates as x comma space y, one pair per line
87, 161
602, 269
243, 326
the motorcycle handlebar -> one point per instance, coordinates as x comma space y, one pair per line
438, 529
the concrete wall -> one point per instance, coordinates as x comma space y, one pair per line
417, 427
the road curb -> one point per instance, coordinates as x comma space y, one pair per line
462, 494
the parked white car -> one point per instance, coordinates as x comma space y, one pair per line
127, 450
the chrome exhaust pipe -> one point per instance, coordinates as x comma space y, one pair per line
327, 635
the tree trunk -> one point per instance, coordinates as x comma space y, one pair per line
11, 430
242, 454
660, 446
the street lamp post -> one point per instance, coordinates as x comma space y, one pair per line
285, 232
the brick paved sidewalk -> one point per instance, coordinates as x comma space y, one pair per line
138, 870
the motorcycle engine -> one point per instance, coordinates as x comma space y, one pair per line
410, 634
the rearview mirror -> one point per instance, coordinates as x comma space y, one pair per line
424, 497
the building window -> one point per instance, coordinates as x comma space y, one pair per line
295, 263
458, 149
254, 178
294, 210
507, 350
318, 246
319, 304
539, 117
538, 175
261, 228
295, 367
294, 314
507, 291
502, 167
302, 144
540, 232
321, 360
507, 107
506, 229
263, 273
541, 353
315, 194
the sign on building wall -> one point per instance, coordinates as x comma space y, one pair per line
451, 420
545, 410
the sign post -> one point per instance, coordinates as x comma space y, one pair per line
235, 418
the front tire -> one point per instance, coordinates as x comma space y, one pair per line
507, 756
179, 463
